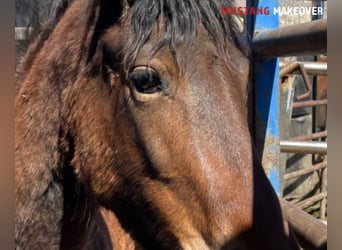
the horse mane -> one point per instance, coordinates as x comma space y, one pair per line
180, 19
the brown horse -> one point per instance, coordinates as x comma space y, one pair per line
140, 107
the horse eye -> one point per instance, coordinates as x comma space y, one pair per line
145, 80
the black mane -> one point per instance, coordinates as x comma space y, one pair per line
180, 19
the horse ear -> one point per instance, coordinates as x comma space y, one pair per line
110, 12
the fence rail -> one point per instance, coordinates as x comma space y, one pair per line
304, 147
22, 33
311, 68
300, 39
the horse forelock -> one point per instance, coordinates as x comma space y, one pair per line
180, 21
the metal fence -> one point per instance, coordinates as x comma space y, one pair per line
276, 49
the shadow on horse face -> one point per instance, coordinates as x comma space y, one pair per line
156, 131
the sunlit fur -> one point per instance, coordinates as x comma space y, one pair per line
100, 165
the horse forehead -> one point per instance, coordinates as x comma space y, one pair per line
162, 61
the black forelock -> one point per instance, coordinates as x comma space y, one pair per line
180, 19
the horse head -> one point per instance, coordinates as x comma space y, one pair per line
145, 101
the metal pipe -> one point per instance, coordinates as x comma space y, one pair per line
306, 81
309, 201
323, 207
311, 233
304, 171
311, 68
301, 39
309, 103
312, 136
287, 68
22, 33
303, 147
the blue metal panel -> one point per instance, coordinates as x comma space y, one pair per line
266, 96
319, 4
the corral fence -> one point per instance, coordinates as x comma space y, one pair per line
290, 103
